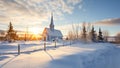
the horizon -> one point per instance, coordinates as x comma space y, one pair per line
36, 14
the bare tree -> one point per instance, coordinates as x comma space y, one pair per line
70, 35
74, 33
105, 35
117, 38
89, 32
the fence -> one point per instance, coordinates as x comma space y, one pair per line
33, 47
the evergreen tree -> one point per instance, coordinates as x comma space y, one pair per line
93, 34
84, 32
100, 36
10, 28
11, 34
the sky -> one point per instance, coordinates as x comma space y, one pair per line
37, 13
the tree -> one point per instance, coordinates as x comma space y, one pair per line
70, 35
84, 33
105, 35
74, 32
11, 34
100, 36
117, 38
89, 32
93, 34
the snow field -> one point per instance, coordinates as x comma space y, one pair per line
77, 55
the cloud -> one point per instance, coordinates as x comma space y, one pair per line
74, 2
34, 12
108, 22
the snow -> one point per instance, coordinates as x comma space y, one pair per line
54, 33
77, 55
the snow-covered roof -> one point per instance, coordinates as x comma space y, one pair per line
54, 32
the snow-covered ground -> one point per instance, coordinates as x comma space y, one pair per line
77, 55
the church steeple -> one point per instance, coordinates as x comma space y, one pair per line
52, 23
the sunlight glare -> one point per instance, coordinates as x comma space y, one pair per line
35, 30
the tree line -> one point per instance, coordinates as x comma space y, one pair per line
11, 35
87, 32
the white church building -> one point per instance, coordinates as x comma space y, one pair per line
50, 33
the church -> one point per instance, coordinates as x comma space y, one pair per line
51, 33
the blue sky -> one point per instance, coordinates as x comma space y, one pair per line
36, 13
97, 10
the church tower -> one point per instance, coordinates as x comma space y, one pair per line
52, 23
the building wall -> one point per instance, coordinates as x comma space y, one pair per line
51, 38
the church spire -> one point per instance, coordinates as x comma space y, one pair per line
51, 23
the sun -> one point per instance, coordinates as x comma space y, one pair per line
35, 30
